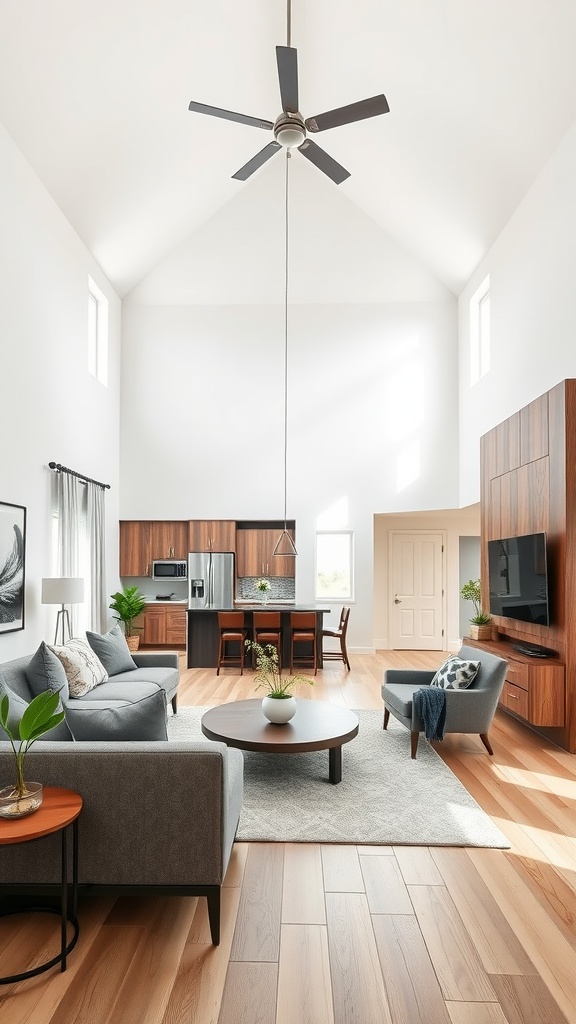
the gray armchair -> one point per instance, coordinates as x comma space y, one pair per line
470, 710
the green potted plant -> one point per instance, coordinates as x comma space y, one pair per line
279, 705
128, 604
480, 622
40, 716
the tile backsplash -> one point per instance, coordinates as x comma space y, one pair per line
282, 588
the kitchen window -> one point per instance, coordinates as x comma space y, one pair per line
334, 565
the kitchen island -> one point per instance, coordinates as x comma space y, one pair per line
203, 633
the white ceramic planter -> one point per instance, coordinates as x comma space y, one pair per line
279, 710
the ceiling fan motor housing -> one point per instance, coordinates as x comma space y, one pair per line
289, 129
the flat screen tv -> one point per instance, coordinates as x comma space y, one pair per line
518, 578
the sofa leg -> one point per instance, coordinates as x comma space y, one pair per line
486, 742
414, 737
175, 703
386, 718
213, 897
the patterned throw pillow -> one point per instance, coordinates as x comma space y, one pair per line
83, 669
456, 674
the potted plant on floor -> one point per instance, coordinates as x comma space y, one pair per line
128, 604
279, 705
480, 622
40, 716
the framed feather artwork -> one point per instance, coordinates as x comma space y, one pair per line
12, 565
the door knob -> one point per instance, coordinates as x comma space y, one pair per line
397, 600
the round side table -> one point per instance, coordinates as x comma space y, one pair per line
59, 811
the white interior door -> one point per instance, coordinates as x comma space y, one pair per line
417, 591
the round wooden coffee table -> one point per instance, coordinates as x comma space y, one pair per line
315, 726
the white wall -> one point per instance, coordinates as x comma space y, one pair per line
532, 310
456, 523
372, 380
52, 409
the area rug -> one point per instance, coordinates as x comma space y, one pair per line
385, 797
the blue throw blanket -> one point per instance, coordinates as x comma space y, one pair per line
430, 706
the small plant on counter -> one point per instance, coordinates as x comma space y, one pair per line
268, 673
471, 592
263, 586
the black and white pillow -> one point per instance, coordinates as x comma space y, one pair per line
83, 668
456, 674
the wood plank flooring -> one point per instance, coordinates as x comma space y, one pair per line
320, 934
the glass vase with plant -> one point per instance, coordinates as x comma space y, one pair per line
128, 604
263, 587
40, 716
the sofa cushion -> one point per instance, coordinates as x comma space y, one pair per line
112, 691
145, 719
83, 669
167, 678
456, 674
112, 650
46, 672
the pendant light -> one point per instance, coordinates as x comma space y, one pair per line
285, 544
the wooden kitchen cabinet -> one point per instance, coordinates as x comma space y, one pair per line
142, 540
212, 535
154, 625
134, 548
164, 625
254, 555
168, 539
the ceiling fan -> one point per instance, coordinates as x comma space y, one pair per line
290, 128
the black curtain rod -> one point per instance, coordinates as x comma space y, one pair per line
87, 479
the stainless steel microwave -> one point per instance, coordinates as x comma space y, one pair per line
169, 569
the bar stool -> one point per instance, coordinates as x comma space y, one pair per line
303, 631
267, 631
232, 631
340, 634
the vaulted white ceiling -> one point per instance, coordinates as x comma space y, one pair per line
95, 93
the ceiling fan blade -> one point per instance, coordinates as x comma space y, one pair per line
229, 115
257, 161
287, 60
320, 158
345, 115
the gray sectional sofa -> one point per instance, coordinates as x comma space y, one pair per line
155, 813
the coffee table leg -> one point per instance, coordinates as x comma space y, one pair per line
335, 764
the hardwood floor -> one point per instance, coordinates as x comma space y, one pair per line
342, 934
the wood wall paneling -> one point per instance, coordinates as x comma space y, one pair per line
534, 443
528, 485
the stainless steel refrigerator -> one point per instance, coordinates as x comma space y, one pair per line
211, 579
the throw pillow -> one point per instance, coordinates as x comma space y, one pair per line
145, 719
16, 706
456, 674
112, 650
46, 672
83, 669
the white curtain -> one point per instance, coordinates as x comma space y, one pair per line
81, 546
95, 533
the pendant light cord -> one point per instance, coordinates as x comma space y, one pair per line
286, 341
288, 23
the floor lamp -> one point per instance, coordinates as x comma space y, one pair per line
62, 590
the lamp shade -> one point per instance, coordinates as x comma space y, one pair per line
63, 590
